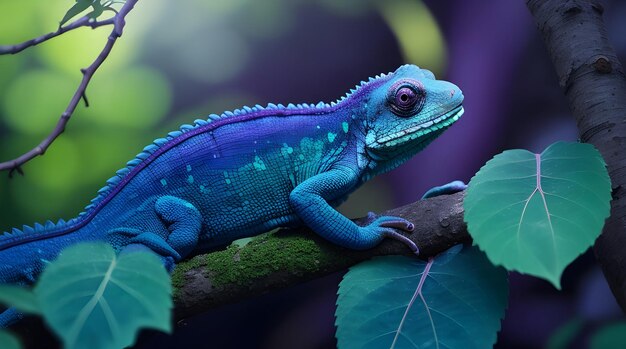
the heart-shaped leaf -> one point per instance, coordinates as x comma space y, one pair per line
454, 301
95, 299
535, 213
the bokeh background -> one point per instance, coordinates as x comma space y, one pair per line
182, 60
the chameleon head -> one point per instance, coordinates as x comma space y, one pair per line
406, 112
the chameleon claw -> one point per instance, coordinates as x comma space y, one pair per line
400, 224
397, 236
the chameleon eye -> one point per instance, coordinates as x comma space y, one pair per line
407, 99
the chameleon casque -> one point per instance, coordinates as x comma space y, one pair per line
246, 172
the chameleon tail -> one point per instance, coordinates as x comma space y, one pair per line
9, 317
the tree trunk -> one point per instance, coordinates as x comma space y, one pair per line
593, 81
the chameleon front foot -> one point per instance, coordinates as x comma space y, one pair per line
386, 226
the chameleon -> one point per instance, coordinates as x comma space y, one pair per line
248, 171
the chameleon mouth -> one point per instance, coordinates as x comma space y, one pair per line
424, 128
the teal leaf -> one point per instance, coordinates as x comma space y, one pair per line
565, 334
8, 341
21, 298
94, 299
454, 301
535, 213
611, 336
98, 9
79, 6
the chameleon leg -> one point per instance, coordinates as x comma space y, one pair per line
183, 223
9, 317
310, 202
446, 189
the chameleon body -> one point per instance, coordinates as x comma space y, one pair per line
248, 171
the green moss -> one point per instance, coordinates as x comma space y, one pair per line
264, 255
178, 276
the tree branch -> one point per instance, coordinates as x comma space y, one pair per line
594, 84
81, 22
118, 26
288, 257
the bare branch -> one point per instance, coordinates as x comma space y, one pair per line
118, 27
81, 22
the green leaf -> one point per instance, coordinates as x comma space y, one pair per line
535, 213
611, 336
98, 9
565, 334
8, 341
455, 301
79, 6
21, 298
94, 299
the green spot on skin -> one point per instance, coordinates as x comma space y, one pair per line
331, 136
345, 127
188, 168
190, 179
258, 164
226, 174
301, 156
227, 180
163, 182
286, 150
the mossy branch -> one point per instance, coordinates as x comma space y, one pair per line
287, 257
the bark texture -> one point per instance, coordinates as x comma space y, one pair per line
593, 81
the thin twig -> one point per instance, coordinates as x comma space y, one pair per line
118, 26
81, 22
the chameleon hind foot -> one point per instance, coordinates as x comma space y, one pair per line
183, 223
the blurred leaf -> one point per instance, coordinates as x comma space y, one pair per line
136, 98
79, 6
19, 25
535, 213
611, 336
21, 298
98, 9
418, 33
455, 301
565, 334
35, 100
94, 299
8, 341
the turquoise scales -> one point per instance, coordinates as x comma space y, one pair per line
251, 170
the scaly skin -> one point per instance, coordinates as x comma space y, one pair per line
243, 173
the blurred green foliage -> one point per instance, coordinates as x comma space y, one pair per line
135, 97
